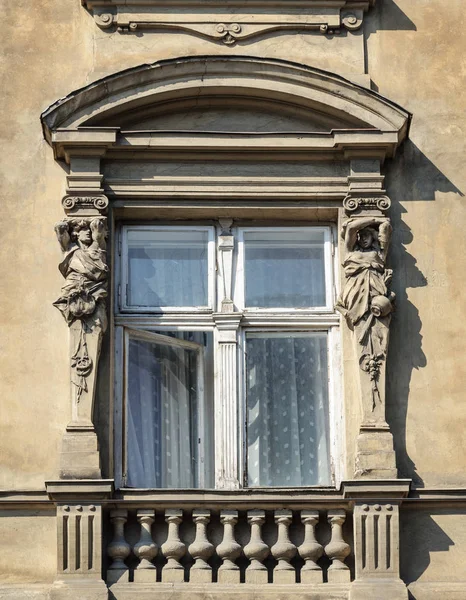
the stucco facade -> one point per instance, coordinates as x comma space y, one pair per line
409, 53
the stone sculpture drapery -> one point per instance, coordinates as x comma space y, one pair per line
83, 305
366, 302
82, 301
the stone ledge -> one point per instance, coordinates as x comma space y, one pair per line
449, 590
79, 489
24, 591
376, 488
242, 591
231, 23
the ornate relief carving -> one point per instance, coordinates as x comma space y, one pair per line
366, 302
352, 204
82, 301
71, 203
233, 23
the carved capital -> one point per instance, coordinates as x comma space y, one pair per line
77, 204
364, 203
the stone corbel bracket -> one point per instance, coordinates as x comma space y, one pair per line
237, 22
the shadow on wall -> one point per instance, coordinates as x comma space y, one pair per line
421, 536
387, 16
411, 177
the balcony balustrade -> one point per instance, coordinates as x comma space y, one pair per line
252, 544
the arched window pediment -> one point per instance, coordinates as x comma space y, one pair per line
210, 96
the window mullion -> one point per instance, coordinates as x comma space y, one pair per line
226, 402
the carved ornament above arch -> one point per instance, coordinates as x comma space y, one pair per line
230, 22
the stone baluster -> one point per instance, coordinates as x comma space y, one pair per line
310, 550
145, 549
256, 550
118, 549
283, 550
201, 549
337, 549
173, 549
229, 549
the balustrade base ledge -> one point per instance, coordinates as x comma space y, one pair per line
241, 591
380, 589
82, 589
431, 590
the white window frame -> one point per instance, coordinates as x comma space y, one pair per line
240, 279
318, 319
211, 295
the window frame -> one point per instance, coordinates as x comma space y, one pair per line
239, 296
318, 319
124, 275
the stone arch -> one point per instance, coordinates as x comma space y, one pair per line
326, 100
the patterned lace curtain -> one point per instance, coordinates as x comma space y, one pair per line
161, 416
287, 409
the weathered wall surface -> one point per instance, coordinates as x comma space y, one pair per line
413, 52
414, 56
27, 546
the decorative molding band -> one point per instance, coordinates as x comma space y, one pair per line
240, 20
73, 203
352, 204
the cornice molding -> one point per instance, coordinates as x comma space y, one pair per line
239, 20
91, 120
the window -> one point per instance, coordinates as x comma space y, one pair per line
174, 281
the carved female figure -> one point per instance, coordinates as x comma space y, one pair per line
365, 300
85, 270
82, 302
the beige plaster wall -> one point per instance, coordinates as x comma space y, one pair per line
28, 541
54, 47
51, 47
415, 55
433, 545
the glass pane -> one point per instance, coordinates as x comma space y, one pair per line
168, 413
284, 269
287, 409
167, 268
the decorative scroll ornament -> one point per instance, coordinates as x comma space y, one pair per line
351, 204
100, 203
82, 300
236, 22
365, 301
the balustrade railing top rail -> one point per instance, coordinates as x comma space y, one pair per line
294, 499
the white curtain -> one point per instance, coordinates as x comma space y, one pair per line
284, 270
167, 268
287, 409
161, 408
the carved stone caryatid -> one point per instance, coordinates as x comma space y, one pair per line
337, 549
310, 550
256, 550
145, 549
118, 549
173, 549
201, 549
367, 305
283, 550
229, 549
82, 304
366, 302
